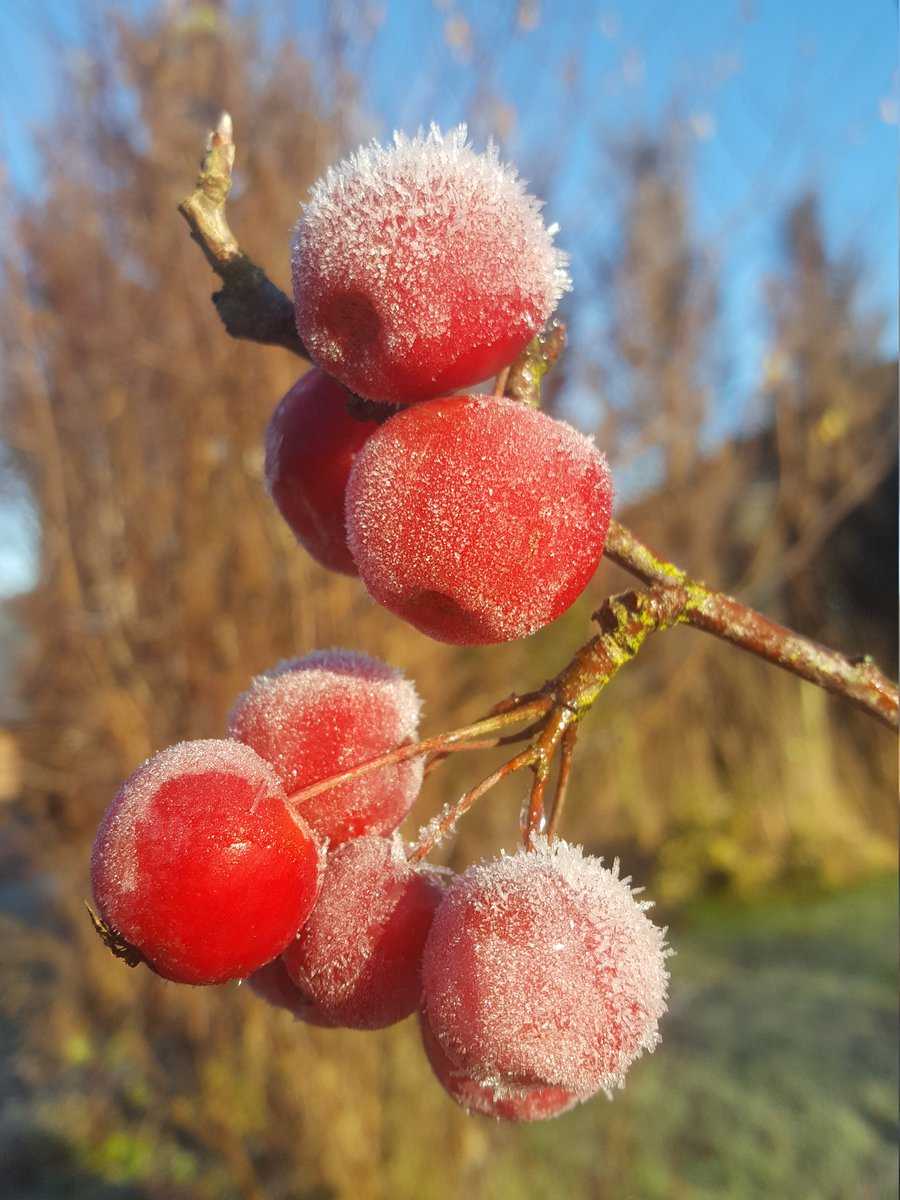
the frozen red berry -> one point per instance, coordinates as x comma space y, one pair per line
422, 267
311, 442
316, 716
502, 1103
200, 864
273, 984
542, 969
359, 955
477, 519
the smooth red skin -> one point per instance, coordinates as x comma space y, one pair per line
311, 442
511, 567
201, 914
466, 1028
364, 361
309, 749
524, 1104
358, 957
273, 984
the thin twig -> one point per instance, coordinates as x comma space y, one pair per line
438, 828
249, 303
507, 704
555, 726
508, 739
441, 742
857, 679
435, 759
566, 754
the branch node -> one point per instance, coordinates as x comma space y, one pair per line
522, 380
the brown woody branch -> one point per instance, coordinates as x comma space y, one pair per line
249, 304
857, 679
252, 307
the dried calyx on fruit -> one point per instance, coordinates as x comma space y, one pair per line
200, 864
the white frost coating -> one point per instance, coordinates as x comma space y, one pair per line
317, 716
542, 967
301, 681
389, 220
452, 497
500, 1101
338, 958
439, 827
135, 797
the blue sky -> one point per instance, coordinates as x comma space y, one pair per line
777, 96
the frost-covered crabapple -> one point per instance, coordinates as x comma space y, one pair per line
542, 969
477, 519
502, 1103
422, 267
358, 957
200, 864
311, 442
320, 715
273, 984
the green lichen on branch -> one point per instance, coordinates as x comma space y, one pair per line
524, 378
857, 679
626, 621
628, 552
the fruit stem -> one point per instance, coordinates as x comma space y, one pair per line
567, 753
441, 743
445, 822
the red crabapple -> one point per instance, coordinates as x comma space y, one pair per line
477, 519
273, 984
542, 969
311, 442
503, 1103
202, 866
358, 957
316, 716
422, 267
